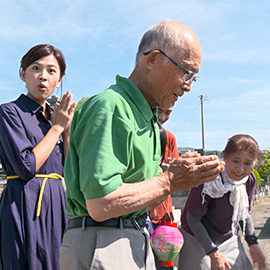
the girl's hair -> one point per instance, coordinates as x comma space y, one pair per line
163, 142
242, 142
39, 51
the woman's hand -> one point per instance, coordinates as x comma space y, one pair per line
62, 116
258, 258
61, 121
63, 112
218, 261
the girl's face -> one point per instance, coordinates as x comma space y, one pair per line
239, 164
42, 77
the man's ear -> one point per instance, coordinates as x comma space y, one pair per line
151, 59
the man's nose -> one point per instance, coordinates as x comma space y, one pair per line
187, 87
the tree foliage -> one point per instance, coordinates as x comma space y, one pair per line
258, 177
81, 101
264, 166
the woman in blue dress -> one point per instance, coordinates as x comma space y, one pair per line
33, 143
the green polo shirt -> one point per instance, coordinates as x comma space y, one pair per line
114, 139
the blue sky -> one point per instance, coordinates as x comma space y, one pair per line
100, 38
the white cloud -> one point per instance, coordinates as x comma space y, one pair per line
100, 38
38, 20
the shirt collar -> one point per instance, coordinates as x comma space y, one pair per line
33, 106
137, 97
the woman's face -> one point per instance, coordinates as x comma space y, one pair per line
42, 77
239, 164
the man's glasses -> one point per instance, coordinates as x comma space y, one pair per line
189, 77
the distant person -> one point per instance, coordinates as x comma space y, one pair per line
215, 211
164, 211
112, 169
164, 114
170, 153
33, 144
171, 149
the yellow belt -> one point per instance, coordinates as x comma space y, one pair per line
46, 177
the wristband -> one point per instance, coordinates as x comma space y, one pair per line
251, 239
212, 250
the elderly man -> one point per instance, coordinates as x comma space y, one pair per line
112, 169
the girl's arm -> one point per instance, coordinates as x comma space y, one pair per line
61, 121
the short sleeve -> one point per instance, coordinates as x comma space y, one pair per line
100, 174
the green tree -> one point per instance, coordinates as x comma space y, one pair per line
258, 177
81, 101
264, 166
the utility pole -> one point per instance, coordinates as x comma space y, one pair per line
202, 116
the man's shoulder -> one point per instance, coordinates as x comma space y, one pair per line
107, 102
111, 94
105, 99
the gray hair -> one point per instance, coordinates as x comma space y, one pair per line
166, 36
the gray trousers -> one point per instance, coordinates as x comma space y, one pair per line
99, 248
192, 255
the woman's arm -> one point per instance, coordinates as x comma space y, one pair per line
61, 121
44, 148
256, 254
250, 236
200, 233
258, 257
218, 261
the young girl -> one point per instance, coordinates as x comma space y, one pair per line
33, 143
215, 210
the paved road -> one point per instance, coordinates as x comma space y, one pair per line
261, 218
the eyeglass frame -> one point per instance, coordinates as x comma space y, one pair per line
193, 79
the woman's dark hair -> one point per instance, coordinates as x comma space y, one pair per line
163, 142
242, 142
42, 50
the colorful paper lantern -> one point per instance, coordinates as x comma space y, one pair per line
166, 242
